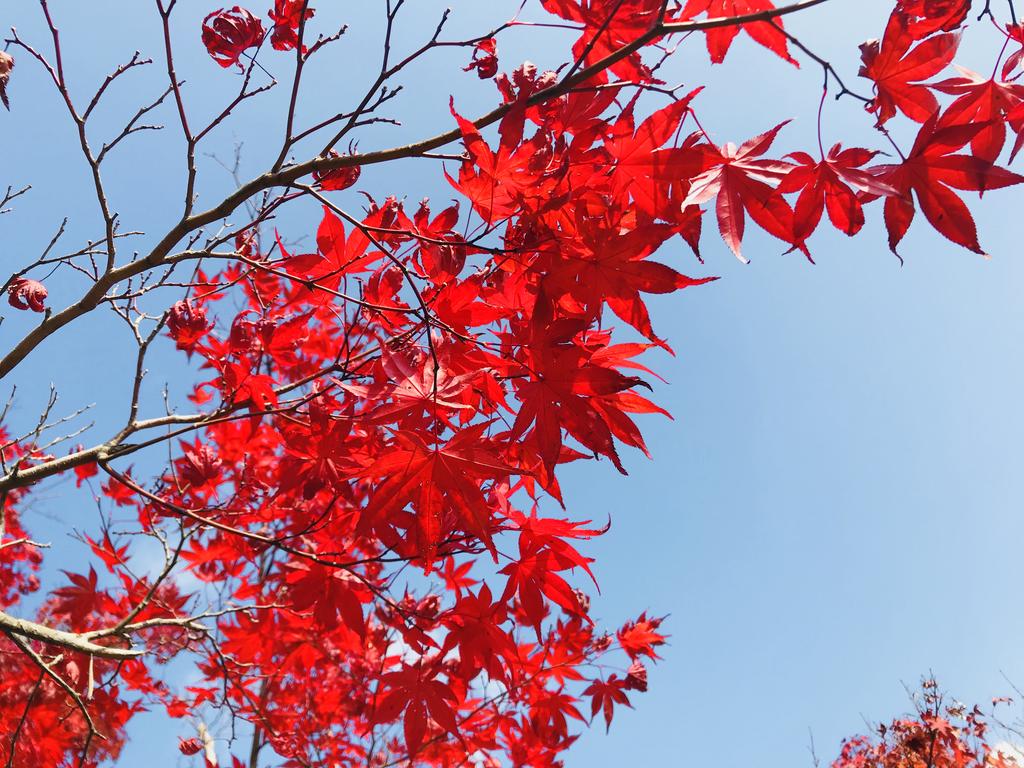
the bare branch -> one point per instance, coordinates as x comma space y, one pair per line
133, 127
9, 195
134, 62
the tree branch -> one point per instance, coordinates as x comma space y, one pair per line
69, 640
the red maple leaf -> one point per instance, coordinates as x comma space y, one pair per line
238, 384
605, 694
741, 182
435, 480
930, 172
610, 265
83, 598
417, 387
415, 691
608, 25
112, 556
897, 71
636, 677
567, 389
831, 185
1014, 32
543, 552
651, 169
332, 593
981, 100
475, 628
720, 39
640, 637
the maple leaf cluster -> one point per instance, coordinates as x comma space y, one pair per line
920, 41
940, 733
369, 495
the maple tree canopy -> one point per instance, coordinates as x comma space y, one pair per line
367, 559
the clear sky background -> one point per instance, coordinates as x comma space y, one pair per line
835, 510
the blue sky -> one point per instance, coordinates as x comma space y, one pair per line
835, 510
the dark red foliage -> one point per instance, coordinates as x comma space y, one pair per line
940, 733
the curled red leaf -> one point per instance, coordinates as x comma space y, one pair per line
190, 746
227, 33
485, 59
338, 179
186, 324
27, 294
